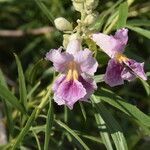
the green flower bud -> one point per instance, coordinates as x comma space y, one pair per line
91, 4
62, 24
90, 18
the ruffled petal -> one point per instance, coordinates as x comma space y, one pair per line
111, 44
74, 46
136, 68
126, 74
70, 92
113, 73
86, 62
60, 59
89, 84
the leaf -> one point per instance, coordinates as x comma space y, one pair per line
25, 130
9, 97
123, 14
22, 84
99, 78
83, 110
113, 126
139, 30
49, 124
45, 10
103, 131
7, 106
72, 133
129, 109
146, 86
138, 22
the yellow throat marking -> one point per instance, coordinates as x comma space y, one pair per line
72, 71
121, 58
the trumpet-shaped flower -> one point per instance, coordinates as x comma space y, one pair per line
120, 67
76, 67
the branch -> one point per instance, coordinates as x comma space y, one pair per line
21, 33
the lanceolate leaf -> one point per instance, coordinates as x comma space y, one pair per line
113, 126
129, 109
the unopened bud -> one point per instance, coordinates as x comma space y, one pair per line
78, 5
90, 18
91, 4
63, 24
66, 40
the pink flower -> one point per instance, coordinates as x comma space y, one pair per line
76, 67
120, 67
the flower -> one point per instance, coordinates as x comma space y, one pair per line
76, 67
120, 67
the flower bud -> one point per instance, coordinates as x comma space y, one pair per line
90, 18
66, 40
62, 24
78, 5
91, 4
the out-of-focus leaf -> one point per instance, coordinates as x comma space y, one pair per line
22, 84
113, 126
123, 14
72, 133
45, 10
83, 110
139, 30
138, 22
129, 109
25, 130
49, 124
99, 78
146, 86
9, 97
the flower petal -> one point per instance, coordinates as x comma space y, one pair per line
112, 44
126, 74
87, 63
122, 35
89, 84
60, 59
73, 46
113, 73
70, 92
136, 68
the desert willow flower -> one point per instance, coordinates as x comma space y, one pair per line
77, 68
120, 67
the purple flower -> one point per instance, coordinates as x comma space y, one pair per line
76, 67
120, 67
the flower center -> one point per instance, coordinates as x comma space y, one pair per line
121, 58
72, 71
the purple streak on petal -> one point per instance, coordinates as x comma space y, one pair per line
122, 35
60, 59
74, 46
70, 91
136, 68
112, 44
58, 81
86, 62
126, 74
89, 84
113, 73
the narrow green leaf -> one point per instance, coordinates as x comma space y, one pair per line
45, 10
37, 140
139, 30
99, 78
7, 106
22, 84
129, 109
146, 86
83, 110
49, 124
123, 14
138, 22
8, 96
25, 130
113, 126
72, 133
103, 130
